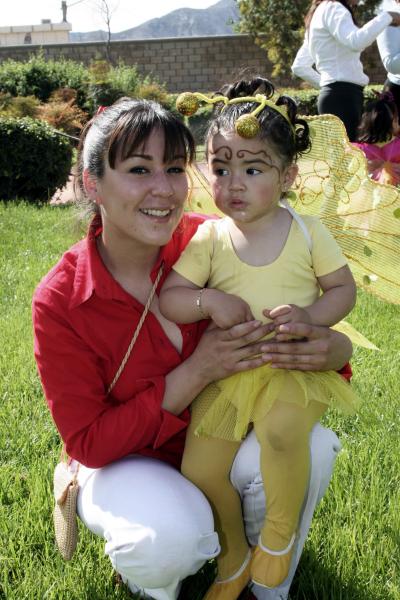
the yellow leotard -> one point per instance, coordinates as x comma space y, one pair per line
225, 409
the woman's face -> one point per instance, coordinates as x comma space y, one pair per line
142, 199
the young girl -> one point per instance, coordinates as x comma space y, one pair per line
378, 139
261, 261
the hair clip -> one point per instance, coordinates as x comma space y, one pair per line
247, 126
100, 110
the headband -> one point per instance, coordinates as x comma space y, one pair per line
247, 126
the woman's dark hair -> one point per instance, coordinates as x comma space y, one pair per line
316, 3
377, 120
289, 140
116, 132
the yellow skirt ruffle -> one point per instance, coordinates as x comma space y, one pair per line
226, 408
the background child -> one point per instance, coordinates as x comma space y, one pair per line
261, 261
378, 138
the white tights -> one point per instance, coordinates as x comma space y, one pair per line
158, 526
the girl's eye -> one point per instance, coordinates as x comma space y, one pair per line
138, 170
176, 170
252, 171
220, 172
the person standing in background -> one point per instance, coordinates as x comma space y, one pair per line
389, 49
333, 43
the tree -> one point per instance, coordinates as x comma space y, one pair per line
278, 26
106, 10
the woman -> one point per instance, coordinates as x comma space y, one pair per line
333, 43
389, 49
158, 527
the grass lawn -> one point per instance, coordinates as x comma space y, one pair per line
353, 550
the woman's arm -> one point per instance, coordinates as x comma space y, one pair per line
303, 66
96, 428
389, 49
338, 21
318, 349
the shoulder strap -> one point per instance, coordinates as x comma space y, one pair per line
137, 330
299, 221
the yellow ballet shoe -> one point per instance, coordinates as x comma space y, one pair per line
270, 568
231, 588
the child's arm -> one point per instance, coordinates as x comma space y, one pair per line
182, 301
337, 300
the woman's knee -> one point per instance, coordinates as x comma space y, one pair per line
158, 527
155, 559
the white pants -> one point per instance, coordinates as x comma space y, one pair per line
159, 527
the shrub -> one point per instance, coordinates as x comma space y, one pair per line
19, 106
126, 78
34, 161
108, 84
151, 90
62, 113
39, 77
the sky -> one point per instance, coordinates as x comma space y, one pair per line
84, 15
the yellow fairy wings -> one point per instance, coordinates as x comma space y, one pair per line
362, 214
333, 184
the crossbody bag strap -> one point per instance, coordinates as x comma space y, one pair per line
64, 457
138, 328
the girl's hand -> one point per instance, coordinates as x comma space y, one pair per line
226, 310
287, 313
221, 353
319, 349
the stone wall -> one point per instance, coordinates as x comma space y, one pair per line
195, 63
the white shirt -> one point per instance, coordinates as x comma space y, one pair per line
389, 49
334, 43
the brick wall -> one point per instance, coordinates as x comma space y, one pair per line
195, 63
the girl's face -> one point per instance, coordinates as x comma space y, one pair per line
247, 177
142, 199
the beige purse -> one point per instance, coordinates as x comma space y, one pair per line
65, 481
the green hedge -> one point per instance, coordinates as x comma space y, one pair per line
34, 160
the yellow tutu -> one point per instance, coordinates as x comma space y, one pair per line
226, 408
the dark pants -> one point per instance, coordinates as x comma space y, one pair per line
395, 89
345, 100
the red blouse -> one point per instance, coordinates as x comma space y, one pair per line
83, 323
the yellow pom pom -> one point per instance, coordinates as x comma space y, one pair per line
187, 104
247, 126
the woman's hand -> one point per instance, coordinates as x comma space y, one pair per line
221, 353
320, 348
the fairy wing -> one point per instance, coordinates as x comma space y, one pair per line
362, 214
333, 184
200, 198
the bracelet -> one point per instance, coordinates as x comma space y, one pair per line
198, 304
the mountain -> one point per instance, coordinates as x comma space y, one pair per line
217, 19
